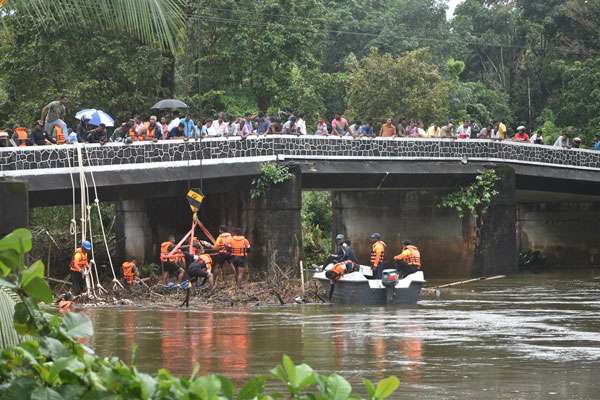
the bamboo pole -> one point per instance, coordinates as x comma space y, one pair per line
483, 278
302, 276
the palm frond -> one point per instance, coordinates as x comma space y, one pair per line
151, 21
8, 334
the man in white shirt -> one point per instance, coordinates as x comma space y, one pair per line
219, 125
175, 121
301, 125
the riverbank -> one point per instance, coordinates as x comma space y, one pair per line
149, 292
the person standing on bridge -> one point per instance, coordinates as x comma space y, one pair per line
377, 254
54, 113
409, 261
388, 129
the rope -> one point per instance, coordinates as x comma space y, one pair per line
97, 203
73, 225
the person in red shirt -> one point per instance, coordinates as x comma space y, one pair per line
521, 135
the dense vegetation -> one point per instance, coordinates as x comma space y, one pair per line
53, 363
531, 61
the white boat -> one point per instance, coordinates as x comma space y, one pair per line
357, 288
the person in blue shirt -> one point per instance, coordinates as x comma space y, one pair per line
189, 126
366, 129
177, 131
597, 145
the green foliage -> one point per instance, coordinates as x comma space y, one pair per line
384, 86
473, 200
316, 217
155, 22
110, 71
270, 174
53, 364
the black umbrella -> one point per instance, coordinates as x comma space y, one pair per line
169, 104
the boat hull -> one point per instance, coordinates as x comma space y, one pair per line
372, 292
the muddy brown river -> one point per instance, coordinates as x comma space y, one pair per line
534, 336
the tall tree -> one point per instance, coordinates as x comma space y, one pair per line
384, 86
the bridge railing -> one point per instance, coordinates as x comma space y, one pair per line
177, 152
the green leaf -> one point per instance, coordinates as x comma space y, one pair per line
44, 393
290, 369
338, 388
206, 387
38, 289
148, 384
19, 388
14, 246
370, 388
35, 270
53, 348
226, 387
77, 325
254, 387
24, 323
386, 387
4, 269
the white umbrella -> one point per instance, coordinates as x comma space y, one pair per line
96, 117
85, 113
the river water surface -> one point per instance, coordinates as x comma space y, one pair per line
528, 337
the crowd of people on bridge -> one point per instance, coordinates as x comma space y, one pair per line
52, 129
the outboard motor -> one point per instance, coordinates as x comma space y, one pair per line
389, 279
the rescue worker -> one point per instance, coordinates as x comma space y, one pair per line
65, 304
409, 261
199, 265
171, 265
344, 252
239, 247
79, 263
377, 255
224, 254
130, 271
338, 270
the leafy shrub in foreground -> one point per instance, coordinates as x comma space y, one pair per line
53, 365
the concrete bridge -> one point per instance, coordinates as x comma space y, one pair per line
550, 197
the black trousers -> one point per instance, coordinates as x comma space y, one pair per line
404, 269
77, 281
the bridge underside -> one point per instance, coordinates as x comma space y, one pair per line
554, 209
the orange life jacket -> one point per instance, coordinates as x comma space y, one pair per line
77, 266
128, 268
207, 260
150, 132
239, 246
134, 136
64, 306
176, 257
22, 136
411, 255
377, 253
339, 270
222, 242
59, 134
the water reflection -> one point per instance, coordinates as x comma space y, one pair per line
518, 339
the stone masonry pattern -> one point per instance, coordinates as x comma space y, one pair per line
47, 157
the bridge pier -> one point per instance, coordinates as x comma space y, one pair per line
14, 206
566, 233
133, 230
448, 245
273, 225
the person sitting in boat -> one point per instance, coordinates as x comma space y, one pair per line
377, 254
344, 252
409, 261
338, 270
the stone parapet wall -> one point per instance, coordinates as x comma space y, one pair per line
49, 157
